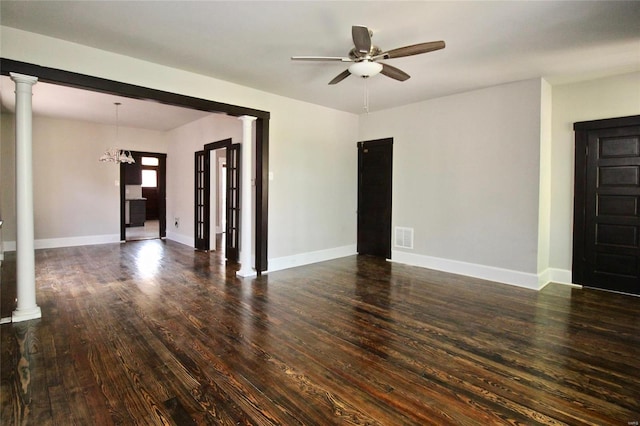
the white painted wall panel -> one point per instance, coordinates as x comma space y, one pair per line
466, 174
75, 195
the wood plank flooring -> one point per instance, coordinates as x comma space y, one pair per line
152, 332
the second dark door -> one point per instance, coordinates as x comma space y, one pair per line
375, 159
607, 205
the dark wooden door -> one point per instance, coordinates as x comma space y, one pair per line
607, 205
201, 211
375, 159
232, 227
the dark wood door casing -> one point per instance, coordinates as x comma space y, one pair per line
606, 237
97, 84
375, 161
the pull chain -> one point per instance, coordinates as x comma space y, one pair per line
366, 96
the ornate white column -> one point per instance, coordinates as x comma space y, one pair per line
25, 253
246, 205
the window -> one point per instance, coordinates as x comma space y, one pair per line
149, 172
149, 161
149, 178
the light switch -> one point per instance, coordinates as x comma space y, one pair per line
270, 175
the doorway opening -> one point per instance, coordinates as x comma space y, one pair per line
143, 197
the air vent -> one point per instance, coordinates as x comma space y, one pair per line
403, 237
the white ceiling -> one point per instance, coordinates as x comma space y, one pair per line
250, 43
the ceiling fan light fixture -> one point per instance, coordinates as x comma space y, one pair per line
365, 69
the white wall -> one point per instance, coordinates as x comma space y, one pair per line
617, 96
313, 194
466, 178
76, 197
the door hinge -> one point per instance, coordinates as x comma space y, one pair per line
586, 151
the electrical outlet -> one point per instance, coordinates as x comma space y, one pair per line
176, 222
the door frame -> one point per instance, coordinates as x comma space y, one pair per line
581, 129
97, 84
162, 192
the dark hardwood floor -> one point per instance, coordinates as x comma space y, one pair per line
152, 332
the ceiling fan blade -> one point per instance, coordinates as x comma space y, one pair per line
414, 49
321, 58
361, 38
344, 74
393, 72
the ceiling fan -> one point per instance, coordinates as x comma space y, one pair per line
365, 56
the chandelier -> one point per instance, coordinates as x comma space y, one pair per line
117, 155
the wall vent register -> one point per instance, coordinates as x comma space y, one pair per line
403, 237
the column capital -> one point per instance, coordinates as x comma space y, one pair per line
247, 118
22, 78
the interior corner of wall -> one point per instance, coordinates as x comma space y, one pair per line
554, 275
543, 278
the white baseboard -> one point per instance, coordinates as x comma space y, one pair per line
561, 276
505, 276
85, 240
180, 238
301, 259
555, 275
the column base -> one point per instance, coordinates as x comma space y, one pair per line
26, 314
246, 273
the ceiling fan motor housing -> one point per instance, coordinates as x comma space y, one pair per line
357, 56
